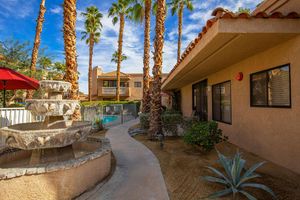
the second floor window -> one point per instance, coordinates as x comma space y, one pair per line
113, 83
137, 84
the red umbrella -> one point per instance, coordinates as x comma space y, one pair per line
12, 80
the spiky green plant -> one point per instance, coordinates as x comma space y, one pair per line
234, 180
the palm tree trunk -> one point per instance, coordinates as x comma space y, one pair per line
36, 45
69, 29
120, 45
156, 110
180, 16
146, 94
91, 65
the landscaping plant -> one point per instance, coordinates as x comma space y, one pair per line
170, 121
144, 120
98, 124
204, 135
234, 180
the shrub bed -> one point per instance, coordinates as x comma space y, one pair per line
170, 120
204, 135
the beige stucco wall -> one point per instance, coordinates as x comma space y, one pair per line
273, 133
58, 185
135, 92
95, 73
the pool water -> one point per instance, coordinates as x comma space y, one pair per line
108, 119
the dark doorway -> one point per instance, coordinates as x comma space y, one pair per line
176, 101
200, 100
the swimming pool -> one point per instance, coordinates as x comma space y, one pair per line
108, 119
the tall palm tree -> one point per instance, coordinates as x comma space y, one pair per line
36, 45
119, 11
177, 6
91, 34
156, 110
69, 30
142, 12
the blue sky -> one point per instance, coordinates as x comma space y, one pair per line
18, 20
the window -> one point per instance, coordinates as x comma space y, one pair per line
221, 99
138, 84
271, 88
113, 83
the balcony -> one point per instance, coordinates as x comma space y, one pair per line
111, 91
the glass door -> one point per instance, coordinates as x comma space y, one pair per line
200, 100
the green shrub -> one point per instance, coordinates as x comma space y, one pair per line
144, 120
234, 180
170, 122
104, 103
16, 105
204, 135
98, 124
187, 122
172, 111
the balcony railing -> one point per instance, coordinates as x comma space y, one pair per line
124, 91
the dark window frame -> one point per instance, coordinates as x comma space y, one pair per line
137, 84
212, 93
271, 106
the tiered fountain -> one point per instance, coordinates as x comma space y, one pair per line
52, 159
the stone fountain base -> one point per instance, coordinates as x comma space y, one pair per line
66, 176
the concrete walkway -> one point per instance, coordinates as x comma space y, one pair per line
137, 176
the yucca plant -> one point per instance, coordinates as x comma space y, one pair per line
236, 178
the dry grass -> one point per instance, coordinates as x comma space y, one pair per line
183, 166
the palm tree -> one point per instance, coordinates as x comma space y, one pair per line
119, 11
115, 57
177, 6
91, 34
156, 110
45, 63
142, 12
36, 45
69, 30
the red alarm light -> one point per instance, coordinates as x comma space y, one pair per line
239, 76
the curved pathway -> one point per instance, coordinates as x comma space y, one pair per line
137, 176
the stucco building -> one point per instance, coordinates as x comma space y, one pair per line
243, 71
131, 86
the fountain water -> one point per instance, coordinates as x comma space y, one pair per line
56, 150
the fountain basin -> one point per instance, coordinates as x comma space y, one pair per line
36, 135
55, 86
52, 107
57, 180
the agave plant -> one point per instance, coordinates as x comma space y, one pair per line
236, 178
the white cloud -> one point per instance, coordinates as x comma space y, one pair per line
16, 8
56, 10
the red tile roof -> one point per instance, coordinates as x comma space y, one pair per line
221, 13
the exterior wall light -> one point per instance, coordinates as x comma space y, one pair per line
239, 76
